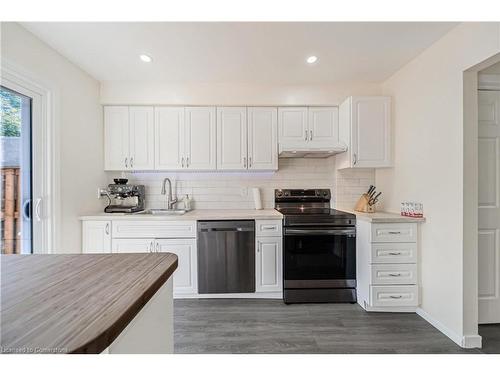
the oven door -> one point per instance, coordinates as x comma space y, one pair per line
320, 258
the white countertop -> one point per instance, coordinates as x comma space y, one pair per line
266, 214
384, 217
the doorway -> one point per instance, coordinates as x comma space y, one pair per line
16, 172
489, 195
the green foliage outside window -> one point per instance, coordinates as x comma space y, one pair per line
10, 114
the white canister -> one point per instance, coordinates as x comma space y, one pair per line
257, 199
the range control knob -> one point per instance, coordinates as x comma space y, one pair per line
279, 193
325, 193
287, 193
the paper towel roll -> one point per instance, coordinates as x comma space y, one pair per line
256, 198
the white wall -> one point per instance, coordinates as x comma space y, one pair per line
79, 118
429, 150
231, 93
212, 190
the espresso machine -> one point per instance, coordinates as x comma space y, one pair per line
123, 198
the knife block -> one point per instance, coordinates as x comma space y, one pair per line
363, 206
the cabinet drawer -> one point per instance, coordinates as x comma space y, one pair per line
268, 228
397, 295
394, 232
393, 274
394, 252
154, 229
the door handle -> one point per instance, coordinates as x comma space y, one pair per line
250, 162
126, 165
27, 209
157, 247
244, 162
310, 135
131, 162
182, 162
187, 162
355, 157
107, 229
306, 136
38, 209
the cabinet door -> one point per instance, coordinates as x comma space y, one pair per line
292, 125
96, 236
169, 138
268, 264
200, 142
133, 245
142, 149
371, 132
323, 126
263, 138
116, 138
232, 138
185, 276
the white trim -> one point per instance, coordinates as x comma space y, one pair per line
468, 341
489, 81
46, 177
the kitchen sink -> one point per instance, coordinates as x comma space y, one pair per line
161, 212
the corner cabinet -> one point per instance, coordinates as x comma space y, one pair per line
365, 127
128, 138
247, 138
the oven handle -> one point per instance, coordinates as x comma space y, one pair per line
315, 232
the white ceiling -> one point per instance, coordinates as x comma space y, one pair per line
240, 52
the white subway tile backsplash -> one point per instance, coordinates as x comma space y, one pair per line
216, 190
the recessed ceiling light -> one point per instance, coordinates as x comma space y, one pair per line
312, 59
145, 58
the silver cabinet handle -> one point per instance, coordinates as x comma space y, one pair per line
396, 297
395, 253
306, 136
258, 247
157, 247
187, 162
395, 274
394, 232
126, 164
151, 246
355, 157
310, 135
272, 227
38, 214
250, 162
107, 229
182, 162
244, 162
131, 162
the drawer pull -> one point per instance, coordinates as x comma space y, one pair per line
269, 227
396, 297
395, 253
395, 274
394, 232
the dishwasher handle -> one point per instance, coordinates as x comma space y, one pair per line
226, 230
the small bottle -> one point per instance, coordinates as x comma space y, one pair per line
187, 202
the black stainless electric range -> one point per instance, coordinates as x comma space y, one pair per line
319, 247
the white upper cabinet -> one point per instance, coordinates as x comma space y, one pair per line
116, 138
232, 138
169, 138
323, 126
200, 138
262, 138
141, 132
128, 138
292, 123
365, 127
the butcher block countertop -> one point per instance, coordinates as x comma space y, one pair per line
266, 214
75, 303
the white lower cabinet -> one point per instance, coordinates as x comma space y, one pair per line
96, 236
133, 245
387, 268
185, 277
268, 259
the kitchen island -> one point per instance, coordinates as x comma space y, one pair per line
87, 303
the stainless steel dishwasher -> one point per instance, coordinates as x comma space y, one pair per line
226, 256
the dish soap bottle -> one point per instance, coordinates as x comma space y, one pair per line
187, 202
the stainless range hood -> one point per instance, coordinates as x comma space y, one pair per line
316, 152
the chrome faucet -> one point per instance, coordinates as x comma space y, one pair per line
170, 201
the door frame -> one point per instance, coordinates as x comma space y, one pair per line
470, 194
45, 155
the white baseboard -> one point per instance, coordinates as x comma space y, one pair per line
468, 341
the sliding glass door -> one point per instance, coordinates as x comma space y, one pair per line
16, 167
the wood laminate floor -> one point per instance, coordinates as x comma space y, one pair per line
270, 326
